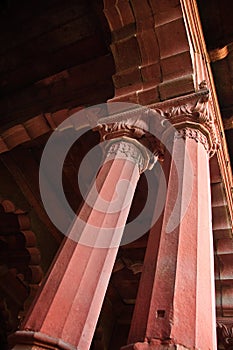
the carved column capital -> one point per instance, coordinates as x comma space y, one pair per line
193, 117
130, 138
126, 148
225, 335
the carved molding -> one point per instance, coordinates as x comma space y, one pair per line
193, 108
120, 128
225, 335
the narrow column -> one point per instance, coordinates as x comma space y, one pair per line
66, 311
180, 313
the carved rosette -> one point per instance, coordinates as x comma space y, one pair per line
225, 335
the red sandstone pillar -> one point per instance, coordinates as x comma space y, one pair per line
66, 311
179, 273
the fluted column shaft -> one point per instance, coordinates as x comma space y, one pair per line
66, 311
183, 299
178, 273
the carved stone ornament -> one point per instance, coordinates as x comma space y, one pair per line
128, 131
126, 148
194, 134
225, 335
134, 131
193, 117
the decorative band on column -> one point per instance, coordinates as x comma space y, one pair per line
131, 149
194, 134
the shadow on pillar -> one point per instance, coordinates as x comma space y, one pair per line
114, 323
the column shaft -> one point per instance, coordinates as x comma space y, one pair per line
182, 306
66, 311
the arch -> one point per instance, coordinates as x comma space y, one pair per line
151, 50
20, 271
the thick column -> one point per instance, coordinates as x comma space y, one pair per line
181, 311
66, 311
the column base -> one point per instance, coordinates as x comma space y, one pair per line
154, 344
30, 340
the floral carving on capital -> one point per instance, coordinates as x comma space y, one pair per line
124, 149
193, 117
132, 127
194, 134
